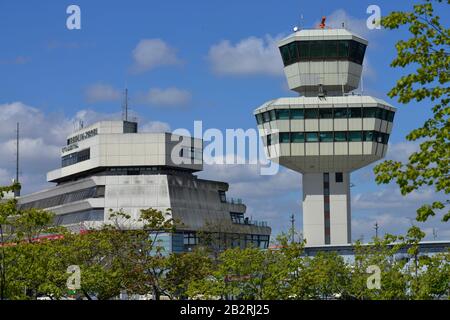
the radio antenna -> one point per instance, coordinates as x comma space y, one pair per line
125, 106
17, 191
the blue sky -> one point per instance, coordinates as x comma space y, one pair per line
217, 62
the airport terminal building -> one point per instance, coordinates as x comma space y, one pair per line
110, 166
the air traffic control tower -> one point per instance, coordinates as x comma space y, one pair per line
327, 131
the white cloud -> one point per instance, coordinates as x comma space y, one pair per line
391, 198
151, 53
155, 126
249, 56
337, 17
166, 97
402, 150
41, 137
100, 92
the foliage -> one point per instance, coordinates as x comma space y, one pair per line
426, 53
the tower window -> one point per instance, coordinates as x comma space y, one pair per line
326, 136
284, 137
282, 114
297, 137
311, 113
222, 196
312, 137
326, 113
297, 114
355, 136
339, 176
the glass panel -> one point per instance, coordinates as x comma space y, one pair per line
355, 136
282, 114
269, 139
390, 116
377, 137
353, 51
285, 55
340, 136
259, 118
385, 138
312, 137
326, 136
293, 52
384, 114
284, 137
316, 49
303, 47
266, 117
340, 113
355, 112
361, 49
272, 115
326, 113
311, 113
369, 112
343, 48
368, 136
339, 177
330, 49
297, 114
297, 137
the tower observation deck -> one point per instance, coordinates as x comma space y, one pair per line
326, 132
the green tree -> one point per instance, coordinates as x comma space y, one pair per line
426, 53
21, 252
184, 268
381, 253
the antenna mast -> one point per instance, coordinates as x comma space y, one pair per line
17, 191
292, 228
125, 106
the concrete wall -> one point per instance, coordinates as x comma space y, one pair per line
314, 209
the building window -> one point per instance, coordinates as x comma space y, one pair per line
369, 112
339, 177
316, 49
297, 137
326, 136
269, 140
326, 113
284, 137
259, 118
222, 196
311, 113
354, 136
297, 114
343, 49
282, 114
285, 55
75, 157
312, 137
355, 112
340, 113
303, 47
293, 52
190, 239
390, 116
368, 136
237, 217
331, 49
266, 116
272, 115
323, 49
340, 136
